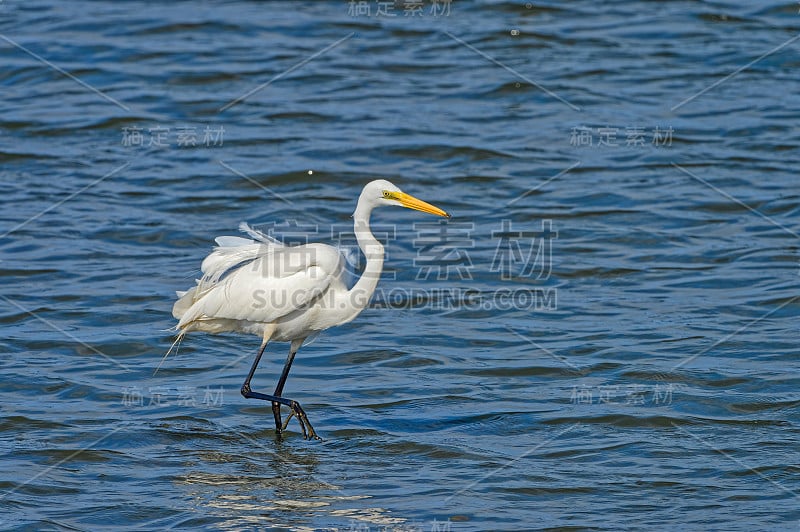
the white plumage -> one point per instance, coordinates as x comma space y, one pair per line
247, 287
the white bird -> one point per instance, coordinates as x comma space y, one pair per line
287, 293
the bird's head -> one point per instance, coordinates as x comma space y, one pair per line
382, 192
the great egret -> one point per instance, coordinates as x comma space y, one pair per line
286, 293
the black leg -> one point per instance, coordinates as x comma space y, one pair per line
246, 385
276, 407
277, 400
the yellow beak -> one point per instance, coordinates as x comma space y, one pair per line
407, 200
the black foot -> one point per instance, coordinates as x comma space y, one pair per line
297, 411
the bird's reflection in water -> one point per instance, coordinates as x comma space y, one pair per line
274, 485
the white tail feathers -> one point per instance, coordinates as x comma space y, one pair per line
185, 301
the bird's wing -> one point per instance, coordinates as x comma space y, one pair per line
270, 282
244, 227
234, 251
231, 252
232, 241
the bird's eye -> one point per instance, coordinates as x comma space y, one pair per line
387, 194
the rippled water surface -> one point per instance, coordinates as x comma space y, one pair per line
652, 384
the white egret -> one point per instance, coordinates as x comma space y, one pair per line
287, 293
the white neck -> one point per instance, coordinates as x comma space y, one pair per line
372, 249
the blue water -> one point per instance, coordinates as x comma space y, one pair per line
635, 367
